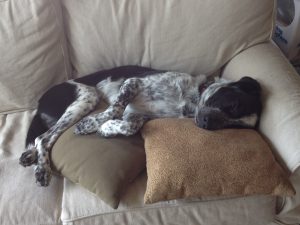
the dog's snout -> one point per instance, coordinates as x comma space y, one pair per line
210, 119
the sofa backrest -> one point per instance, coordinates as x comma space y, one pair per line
40, 40
194, 36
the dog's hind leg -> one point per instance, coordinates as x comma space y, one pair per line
37, 128
87, 99
51, 107
128, 90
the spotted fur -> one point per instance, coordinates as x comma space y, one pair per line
167, 94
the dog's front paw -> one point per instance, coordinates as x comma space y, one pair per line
87, 125
28, 158
109, 129
43, 175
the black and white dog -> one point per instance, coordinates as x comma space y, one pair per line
136, 95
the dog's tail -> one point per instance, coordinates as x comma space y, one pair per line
37, 127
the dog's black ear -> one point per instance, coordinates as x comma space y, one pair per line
248, 85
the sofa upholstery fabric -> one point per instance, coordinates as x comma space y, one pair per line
188, 36
21, 200
80, 207
33, 52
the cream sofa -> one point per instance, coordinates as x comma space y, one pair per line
44, 42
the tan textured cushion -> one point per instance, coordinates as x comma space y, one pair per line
280, 120
189, 36
33, 52
184, 161
104, 166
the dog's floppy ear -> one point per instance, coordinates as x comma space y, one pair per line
248, 85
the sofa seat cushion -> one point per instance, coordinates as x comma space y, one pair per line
80, 207
22, 201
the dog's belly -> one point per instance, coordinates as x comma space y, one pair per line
155, 108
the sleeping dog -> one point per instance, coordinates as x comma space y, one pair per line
136, 95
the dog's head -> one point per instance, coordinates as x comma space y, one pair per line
230, 105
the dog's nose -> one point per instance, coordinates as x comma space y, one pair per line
203, 122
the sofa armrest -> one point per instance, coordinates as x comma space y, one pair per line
280, 120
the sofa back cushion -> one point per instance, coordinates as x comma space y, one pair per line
189, 36
33, 51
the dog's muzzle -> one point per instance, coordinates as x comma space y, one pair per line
211, 118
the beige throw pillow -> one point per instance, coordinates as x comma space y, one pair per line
104, 166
